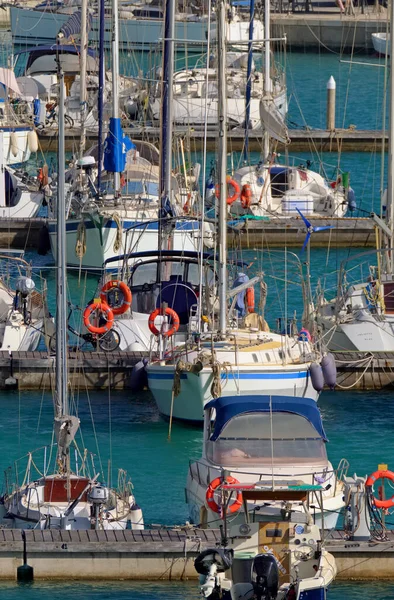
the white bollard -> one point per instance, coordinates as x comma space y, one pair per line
331, 93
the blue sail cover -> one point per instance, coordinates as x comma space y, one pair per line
73, 25
228, 407
116, 147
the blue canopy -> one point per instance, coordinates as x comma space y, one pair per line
228, 407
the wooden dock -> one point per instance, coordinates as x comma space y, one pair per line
365, 370
159, 554
302, 140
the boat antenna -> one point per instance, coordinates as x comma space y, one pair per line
249, 81
222, 166
66, 426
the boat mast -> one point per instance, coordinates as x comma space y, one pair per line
166, 114
267, 65
83, 70
222, 166
61, 400
390, 174
115, 78
249, 81
100, 95
66, 425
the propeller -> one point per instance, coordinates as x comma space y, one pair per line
310, 228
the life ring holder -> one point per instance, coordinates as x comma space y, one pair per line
236, 188
98, 305
372, 479
170, 313
122, 287
210, 493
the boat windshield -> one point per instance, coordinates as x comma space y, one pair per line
246, 441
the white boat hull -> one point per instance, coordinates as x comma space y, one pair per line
243, 380
13, 155
381, 43
100, 242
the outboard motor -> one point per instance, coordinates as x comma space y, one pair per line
265, 577
24, 287
208, 564
98, 496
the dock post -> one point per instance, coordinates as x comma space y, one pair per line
24, 573
331, 93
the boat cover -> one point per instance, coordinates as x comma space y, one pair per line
228, 407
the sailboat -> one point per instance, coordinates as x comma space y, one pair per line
117, 210
269, 188
361, 317
64, 491
238, 356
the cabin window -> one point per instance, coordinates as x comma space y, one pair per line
294, 441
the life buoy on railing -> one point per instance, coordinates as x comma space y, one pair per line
104, 310
171, 313
371, 480
246, 195
210, 493
112, 285
249, 297
236, 188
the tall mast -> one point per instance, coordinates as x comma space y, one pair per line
222, 166
115, 77
100, 94
166, 112
267, 64
249, 81
61, 400
390, 174
82, 63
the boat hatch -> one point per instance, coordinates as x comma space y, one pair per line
56, 489
279, 181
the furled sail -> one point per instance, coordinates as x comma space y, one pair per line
272, 121
116, 147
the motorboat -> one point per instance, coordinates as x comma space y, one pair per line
259, 440
24, 314
381, 43
284, 559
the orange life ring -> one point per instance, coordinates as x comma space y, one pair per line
171, 313
246, 195
127, 296
98, 305
371, 480
236, 188
210, 500
249, 297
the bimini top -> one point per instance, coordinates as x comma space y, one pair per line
192, 254
228, 407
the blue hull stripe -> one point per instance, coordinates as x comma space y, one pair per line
251, 376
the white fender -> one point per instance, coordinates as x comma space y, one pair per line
32, 141
14, 143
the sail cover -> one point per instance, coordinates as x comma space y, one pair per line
8, 79
116, 147
73, 25
272, 121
